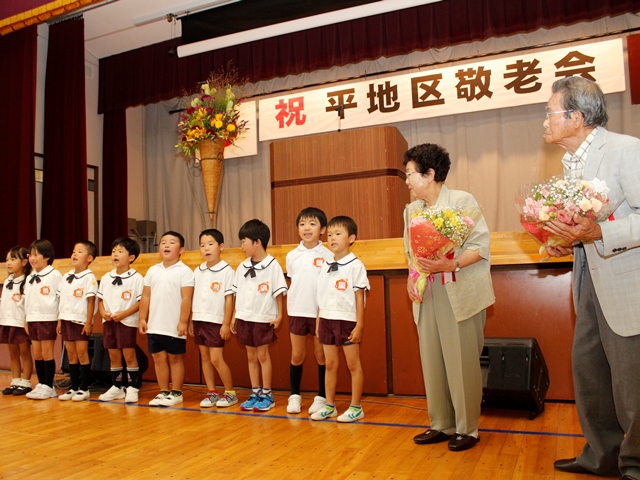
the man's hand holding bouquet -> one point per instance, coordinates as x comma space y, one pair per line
434, 233
568, 201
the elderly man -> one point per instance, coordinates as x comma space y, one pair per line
606, 281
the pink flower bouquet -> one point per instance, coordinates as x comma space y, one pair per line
560, 199
436, 229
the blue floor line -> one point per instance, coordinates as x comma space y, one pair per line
360, 422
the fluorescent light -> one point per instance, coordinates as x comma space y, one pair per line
323, 19
184, 9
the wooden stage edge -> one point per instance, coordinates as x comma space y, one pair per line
507, 248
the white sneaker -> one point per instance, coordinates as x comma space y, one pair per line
351, 415
317, 405
171, 399
32, 394
324, 412
68, 395
44, 393
294, 404
80, 396
156, 402
114, 393
210, 400
132, 395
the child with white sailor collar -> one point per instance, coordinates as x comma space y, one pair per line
259, 285
119, 297
77, 292
12, 316
41, 309
341, 301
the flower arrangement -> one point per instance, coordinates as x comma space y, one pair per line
560, 199
212, 114
434, 230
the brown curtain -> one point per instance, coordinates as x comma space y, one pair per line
64, 192
152, 74
114, 178
17, 120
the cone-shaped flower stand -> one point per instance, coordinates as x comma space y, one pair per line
211, 158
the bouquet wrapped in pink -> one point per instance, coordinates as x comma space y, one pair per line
437, 229
560, 199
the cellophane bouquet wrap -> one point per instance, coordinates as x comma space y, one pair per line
560, 198
436, 229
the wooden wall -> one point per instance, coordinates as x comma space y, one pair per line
358, 173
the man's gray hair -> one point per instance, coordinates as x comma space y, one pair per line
582, 95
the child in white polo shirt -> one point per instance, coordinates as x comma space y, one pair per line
41, 308
119, 297
77, 293
12, 317
304, 264
211, 317
341, 299
165, 309
259, 285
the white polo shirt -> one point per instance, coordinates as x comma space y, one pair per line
74, 291
40, 299
303, 267
256, 296
12, 303
212, 287
166, 297
336, 289
121, 292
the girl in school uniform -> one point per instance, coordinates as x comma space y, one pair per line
12, 318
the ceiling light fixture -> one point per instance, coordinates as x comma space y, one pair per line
323, 19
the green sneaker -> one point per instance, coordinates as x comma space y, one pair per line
325, 412
352, 414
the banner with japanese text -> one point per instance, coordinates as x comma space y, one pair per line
482, 84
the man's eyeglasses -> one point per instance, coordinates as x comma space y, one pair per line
549, 114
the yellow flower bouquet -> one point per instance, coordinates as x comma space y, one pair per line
213, 114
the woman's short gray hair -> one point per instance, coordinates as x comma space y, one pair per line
585, 96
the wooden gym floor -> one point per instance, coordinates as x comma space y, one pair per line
94, 440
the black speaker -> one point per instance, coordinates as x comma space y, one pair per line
514, 374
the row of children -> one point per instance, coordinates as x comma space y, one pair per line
326, 300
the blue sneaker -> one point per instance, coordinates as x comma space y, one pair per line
265, 403
250, 403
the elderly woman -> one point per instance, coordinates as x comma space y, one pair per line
450, 318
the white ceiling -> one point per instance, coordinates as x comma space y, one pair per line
110, 28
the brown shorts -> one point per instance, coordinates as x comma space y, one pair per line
72, 332
207, 334
13, 335
302, 326
255, 334
39, 331
335, 332
117, 335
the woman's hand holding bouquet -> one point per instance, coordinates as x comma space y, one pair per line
434, 233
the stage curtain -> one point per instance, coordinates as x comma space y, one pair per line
64, 190
17, 120
154, 73
114, 178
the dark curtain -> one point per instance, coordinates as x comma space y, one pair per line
154, 73
114, 178
64, 192
633, 53
17, 120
